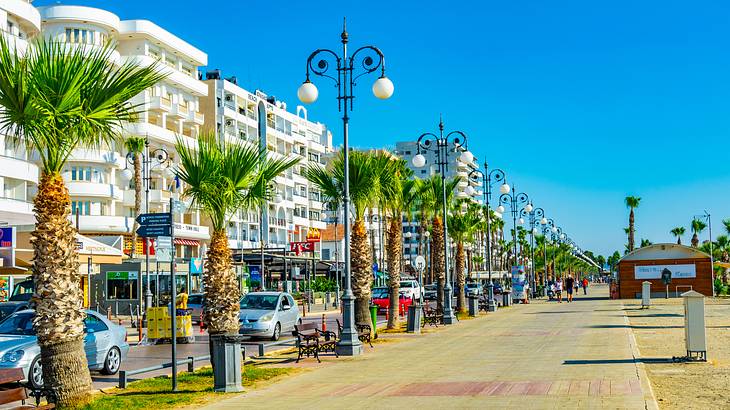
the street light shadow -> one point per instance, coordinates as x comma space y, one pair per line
648, 360
632, 327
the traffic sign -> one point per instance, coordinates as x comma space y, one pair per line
155, 219
147, 231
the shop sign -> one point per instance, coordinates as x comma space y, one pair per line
195, 266
7, 237
299, 247
655, 271
519, 282
122, 275
313, 235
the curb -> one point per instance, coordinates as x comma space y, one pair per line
650, 402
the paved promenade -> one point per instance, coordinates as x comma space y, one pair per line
542, 355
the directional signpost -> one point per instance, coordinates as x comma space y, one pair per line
163, 250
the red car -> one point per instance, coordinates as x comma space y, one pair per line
381, 299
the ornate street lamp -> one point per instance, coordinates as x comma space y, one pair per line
364, 60
514, 200
535, 216
440, 144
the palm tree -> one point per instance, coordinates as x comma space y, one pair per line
363, 187
678, 232
645, 242
632, 202
432, 195
135, 146
726, 223
221, 179
697, 226
462, 222
55, 99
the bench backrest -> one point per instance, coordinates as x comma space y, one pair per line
305, 327
13, 395
11, 375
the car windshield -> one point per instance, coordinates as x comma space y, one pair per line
7, 310
406, 284
18, 324
262, 302
195, 300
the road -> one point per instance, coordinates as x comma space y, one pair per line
541, 355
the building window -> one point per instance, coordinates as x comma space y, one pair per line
314, 215
121, 285
80, 36
89, 174
326, 254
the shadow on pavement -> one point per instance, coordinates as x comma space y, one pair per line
647, 360
633, 327
559, 312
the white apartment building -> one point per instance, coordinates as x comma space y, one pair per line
242, 117
19, 20
456, 167
101, 197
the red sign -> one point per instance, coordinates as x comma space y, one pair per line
300, 247
313, 235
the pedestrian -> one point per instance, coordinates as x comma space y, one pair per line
181, 302
559, 289
569, 283
585, 286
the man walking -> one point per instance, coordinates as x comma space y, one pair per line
569, 283
585, 286
559, 289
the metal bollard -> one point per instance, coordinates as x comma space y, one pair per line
122, 379
109, 312
191, 364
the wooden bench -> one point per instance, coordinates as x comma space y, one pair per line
364, 332
431, 317
12, 391
312, 341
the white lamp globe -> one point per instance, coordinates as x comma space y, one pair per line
466, 157
500, 209
528, 208
534, 231
419, 161
427, 234
504, 188
521, 221
470, 191
555, 230
278, 198
307, 92
383, 88
562, 236
543, 221
127, 175
498, 215
407, 235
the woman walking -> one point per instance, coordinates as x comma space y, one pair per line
559, 289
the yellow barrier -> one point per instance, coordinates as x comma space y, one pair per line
159, 325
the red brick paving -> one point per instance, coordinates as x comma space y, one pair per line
600, 387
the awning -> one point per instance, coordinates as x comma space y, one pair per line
187, 242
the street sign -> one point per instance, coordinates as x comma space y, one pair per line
163, 251
666, 276
155, 219
420, 262
147, 231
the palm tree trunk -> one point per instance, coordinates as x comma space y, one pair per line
395, 250
695, 240
437, 250
631, 230
220, 287
59, 312
460, 280
362, 271
137, 198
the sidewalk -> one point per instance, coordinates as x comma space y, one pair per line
541, 355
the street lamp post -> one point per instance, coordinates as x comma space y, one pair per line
161, 158
366, 59
515, 201
535, 215
440, 145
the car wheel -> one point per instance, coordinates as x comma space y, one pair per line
112, 362
35, 373
277, 332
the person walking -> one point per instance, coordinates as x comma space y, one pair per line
559, 289
569, 283
585, 286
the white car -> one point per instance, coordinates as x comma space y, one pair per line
410, 289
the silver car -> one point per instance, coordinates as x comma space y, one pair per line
104, 342
267, 314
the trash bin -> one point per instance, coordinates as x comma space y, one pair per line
413, 325
374, 319
327, 300
226, 362
491, 303
506, 299
473, 303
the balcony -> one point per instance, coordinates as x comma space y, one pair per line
156, 196
104, 224
191, 231
195, 117
21, 169
190, 83
158, 103
16, 211
94, 190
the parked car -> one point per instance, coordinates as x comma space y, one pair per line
267, 314
472, 288
410, 288
105, 344
429, 292
8, 308
23, 291
381, 299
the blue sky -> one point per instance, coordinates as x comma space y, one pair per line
580, 103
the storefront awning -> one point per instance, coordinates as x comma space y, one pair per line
187, 242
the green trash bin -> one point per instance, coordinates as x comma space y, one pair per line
374, 319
